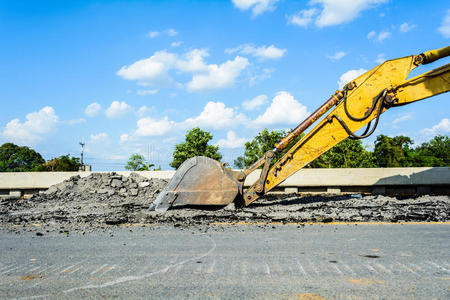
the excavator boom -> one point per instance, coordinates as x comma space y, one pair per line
203, 181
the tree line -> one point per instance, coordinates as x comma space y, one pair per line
15, 158
388, 152
398, 151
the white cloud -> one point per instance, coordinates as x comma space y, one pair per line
335, 12
444, 29
93, 109
34, 129
152, 127
259, 75
257, 6
216, 115
371, 34
118, 109
124, 138
155, 70
402, 118
171, 32
153, 34
284, 109
383, 35
349, 76
220, 76
332, 12
337, 56
152, 70
99, 137
378, 37
146, 92
255, 102
176, 44
405, 27
193, 61
144, 110
441, 128
381, 58
264, 52
303, 18
232, 141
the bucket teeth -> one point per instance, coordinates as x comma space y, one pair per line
163, 201
198, 181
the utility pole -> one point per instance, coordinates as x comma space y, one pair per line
82, 150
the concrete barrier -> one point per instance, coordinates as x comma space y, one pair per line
364, 177
367, 180
43, 180
375, 180
27, 183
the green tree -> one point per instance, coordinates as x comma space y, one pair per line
61, 164
196, 144
14, 158
347, 154
137, 162
434, 153
263, 142
393, 152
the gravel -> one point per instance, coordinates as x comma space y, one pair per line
110, 199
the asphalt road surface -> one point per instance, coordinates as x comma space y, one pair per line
370, 261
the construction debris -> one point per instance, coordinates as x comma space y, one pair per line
318, 208
110, 199
101, 198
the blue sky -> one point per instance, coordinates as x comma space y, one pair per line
133, 76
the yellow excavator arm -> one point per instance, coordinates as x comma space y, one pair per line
360, 102
203, 181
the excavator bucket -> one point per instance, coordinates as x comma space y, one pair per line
198, 181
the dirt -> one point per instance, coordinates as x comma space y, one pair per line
103, 199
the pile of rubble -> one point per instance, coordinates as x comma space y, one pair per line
101, 198
109, 199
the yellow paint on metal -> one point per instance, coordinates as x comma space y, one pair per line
423, 86
329, 131
390, 75
436, 54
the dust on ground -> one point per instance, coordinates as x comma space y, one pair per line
103, 199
